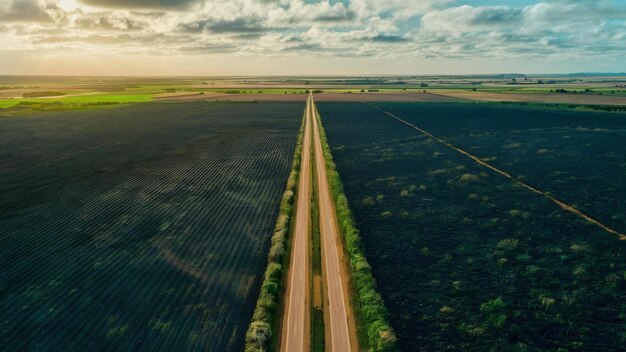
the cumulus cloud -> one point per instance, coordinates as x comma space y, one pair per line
442, 29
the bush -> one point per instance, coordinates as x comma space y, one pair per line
494, 311
257, 336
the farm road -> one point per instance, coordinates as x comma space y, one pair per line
296, 323
338, 324
339, 336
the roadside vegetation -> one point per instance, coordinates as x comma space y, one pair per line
372, 316
264, 325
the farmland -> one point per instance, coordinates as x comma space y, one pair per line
138, 214
466, 259
23, 95
141, 228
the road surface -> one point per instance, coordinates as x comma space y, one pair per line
296, 323
336, 323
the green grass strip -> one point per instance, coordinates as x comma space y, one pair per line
371, 313
317, 314
73, 102
262, 327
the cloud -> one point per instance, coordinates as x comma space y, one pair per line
25, 11
236, 26
464, 18
147, 4
224, 26
398, 9
368, 29
107, 22
323, 11
389, 38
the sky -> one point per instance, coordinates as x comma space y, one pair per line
311, 37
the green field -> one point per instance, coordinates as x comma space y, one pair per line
73, 102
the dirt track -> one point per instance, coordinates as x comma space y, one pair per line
339, 336
296, 323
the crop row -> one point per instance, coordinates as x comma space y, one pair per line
150, 255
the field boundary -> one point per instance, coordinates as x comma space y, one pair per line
263, 324
371, 313
561, 204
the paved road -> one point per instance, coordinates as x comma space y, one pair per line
296, 324
337, 295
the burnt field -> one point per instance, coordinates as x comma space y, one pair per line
139, 228
467, 259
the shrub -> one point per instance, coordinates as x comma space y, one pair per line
508, 244
369, 200
469, 178
494, 311
257, 336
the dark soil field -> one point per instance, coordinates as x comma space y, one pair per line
579, 157
139, 228
468, 260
